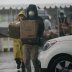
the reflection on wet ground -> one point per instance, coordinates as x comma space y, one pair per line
7, 63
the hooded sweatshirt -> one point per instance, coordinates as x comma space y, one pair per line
33, 8
35, 17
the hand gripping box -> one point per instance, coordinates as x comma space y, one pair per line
29, 30
14, 30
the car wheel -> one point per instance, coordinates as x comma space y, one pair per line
61, 64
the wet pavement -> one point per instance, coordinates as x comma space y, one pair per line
7, 63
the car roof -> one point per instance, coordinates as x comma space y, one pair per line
63, 38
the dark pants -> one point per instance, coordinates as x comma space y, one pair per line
31, 52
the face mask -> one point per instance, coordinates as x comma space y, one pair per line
31, 13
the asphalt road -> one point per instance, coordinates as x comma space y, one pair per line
7, 63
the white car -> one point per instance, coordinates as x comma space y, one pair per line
56, 55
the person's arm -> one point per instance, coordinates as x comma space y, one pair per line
42, 27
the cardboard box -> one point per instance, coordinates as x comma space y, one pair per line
14, 30
28, 30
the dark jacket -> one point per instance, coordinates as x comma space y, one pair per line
35, 17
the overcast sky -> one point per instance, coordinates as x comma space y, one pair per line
6, 2
20, 3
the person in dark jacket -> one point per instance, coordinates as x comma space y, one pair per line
31, 51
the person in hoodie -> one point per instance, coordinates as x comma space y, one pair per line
30, 52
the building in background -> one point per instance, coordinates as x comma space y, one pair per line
9, 10
5, 41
